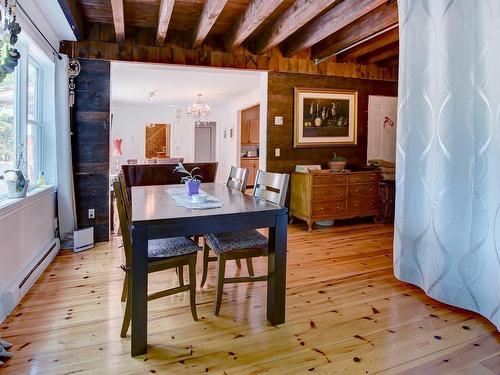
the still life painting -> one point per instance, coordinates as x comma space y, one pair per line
325, 117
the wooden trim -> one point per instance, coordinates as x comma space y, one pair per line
165, 13
118, 19
211, 11
256, 12
172, 54
369, 46
290, 21
329, 23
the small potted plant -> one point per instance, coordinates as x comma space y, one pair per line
191, 180
337, 163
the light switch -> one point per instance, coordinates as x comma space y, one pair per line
277, 152
278, 120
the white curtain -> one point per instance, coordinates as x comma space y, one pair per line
65, 188
447, 238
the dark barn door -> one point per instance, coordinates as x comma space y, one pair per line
90, 144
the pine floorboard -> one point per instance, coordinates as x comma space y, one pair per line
346, 313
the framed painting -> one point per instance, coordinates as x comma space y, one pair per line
325, 117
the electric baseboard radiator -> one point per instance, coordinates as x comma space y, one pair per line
14, 293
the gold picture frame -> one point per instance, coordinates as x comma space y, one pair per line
325, 117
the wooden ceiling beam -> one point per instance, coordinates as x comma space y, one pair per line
386, 53
290, 21
378, 20
369, 46
256, 12
165, 13
71, 11
211, 12
344, 13
118, 20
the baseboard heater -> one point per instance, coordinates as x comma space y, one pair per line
23, 283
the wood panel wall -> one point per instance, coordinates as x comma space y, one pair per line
281, 103
173, 53
90, 144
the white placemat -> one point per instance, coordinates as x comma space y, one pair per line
181, 199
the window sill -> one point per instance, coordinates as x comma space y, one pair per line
11, 206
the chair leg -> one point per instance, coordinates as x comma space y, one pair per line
192, 286
127, 316
221, 270
180, 273
250, 267
124, 289
238, 263
206, 254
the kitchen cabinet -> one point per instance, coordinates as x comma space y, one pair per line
252, 164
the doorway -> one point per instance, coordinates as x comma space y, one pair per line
204, 142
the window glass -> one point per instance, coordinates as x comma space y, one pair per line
33, 131
7, 128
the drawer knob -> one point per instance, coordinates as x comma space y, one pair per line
355, 205
338, 207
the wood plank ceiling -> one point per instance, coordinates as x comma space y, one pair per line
357, 31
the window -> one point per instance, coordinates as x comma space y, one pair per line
21, 119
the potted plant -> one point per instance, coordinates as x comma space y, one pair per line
191, 180
337, 163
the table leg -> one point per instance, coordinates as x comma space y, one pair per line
139, 285
276, 283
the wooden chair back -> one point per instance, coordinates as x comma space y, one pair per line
271, 187
238, 179
126, 198
124, 223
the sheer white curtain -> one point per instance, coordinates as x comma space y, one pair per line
65, 188
447, 238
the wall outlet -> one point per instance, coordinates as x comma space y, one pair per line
278, 120
277, 152
91, 213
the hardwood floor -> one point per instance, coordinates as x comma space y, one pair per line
346, 313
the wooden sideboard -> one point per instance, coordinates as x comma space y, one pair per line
330, 196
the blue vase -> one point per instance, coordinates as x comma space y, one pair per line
192, 187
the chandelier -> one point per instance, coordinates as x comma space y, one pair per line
9, 31
199, 110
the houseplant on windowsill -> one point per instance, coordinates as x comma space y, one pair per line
191, 180
337, 164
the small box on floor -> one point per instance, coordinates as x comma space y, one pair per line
83, 239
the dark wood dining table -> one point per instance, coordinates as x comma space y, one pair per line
155, 215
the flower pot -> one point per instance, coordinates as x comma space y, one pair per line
336, 166
15, 191
192, 187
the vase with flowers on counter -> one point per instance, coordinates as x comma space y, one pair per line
337, 163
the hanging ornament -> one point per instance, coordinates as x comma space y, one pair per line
9, 56
73, 70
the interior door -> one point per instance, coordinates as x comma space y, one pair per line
382, 120
204, 143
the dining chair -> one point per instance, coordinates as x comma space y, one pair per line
163, 254
237, 180
271, 187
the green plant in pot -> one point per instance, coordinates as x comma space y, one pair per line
337, 164
191, 180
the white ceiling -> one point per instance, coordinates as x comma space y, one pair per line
175, 85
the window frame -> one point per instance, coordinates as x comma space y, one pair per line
21, 121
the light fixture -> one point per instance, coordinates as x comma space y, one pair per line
199, 111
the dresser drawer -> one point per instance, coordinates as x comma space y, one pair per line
362, 206
329, 209
329, 193
329, 180
363, 178
363, 190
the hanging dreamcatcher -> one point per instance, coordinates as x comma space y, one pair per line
73, 71
9, 31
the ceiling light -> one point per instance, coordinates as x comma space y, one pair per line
199, 110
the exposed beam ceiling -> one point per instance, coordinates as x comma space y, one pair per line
257, 11
165, 13
118, 19
386, 53
290, 21
332, 21
73, 15
211, 12
376, 21
369, 46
